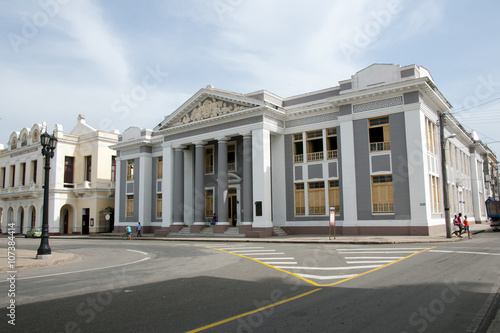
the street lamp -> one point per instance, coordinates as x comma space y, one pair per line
444, 171
49, 143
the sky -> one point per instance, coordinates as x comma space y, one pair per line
131, 63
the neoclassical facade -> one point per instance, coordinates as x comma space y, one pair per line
370, 147
81, 180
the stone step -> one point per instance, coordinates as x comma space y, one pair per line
279, 231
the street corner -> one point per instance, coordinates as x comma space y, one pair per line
26, 259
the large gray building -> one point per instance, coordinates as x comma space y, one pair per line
370, 147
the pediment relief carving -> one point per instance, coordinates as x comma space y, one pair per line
209, 108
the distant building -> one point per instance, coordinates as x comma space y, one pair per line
370, 147
81, 180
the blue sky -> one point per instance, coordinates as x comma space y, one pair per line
60, 58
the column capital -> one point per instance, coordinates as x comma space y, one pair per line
179, 147
246, 134
223, 138
199, 143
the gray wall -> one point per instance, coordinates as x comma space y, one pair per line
400, 178
123, 190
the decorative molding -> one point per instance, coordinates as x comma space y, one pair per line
380, 104
312, 120
209, 108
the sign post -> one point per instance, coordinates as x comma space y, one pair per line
332, 223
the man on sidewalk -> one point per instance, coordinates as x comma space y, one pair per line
139, 228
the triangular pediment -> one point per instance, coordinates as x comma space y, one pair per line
207, 104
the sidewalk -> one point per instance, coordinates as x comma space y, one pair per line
27, 258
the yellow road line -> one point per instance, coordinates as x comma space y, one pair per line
253, 311
295, 297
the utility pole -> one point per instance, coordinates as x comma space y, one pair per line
445, 176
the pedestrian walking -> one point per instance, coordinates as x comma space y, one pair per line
460, 223
466, 226
456, 229
139, 228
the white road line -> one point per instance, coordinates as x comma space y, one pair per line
138, 252
370, 262
332, 277
465, 252
329, 268
378, 252
257, 251
81, 271
280, 262
385, 248
239, 248
283, 258
260, 254
374, 258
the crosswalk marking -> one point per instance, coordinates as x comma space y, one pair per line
250, 251
331, 277
329, 268
280, 262
279, 258
377, 252
395, 258
370, 262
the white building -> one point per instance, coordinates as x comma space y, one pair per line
81, 180
370, 147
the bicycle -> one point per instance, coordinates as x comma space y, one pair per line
132, 236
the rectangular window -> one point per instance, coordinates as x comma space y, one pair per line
130, 205
3, 177
209, 203
431, 137
298, 149
159, 168
88, 168
331, 143
435, 193
315, 146
158, 205
231, 157
130, 169
379, 132
69, 163
113, 168
382, 194
22, 179
316, 196
12, 175
334, 195
300, 201
34, 171
209, 160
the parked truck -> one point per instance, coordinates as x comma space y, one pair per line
493, 211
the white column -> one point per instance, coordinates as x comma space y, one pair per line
145, 183
418, 175
278, 179
261, 154
476, 187
188, 186
167, 186
199, 184
118, 193
348, 182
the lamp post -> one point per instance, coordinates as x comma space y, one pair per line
49, 143
444, 171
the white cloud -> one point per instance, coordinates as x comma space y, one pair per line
95, 42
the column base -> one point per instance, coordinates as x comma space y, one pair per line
199, 223
44, 256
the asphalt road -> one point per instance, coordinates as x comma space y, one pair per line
163, 286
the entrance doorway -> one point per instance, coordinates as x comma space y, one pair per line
65, 218
232, 205
85, 221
